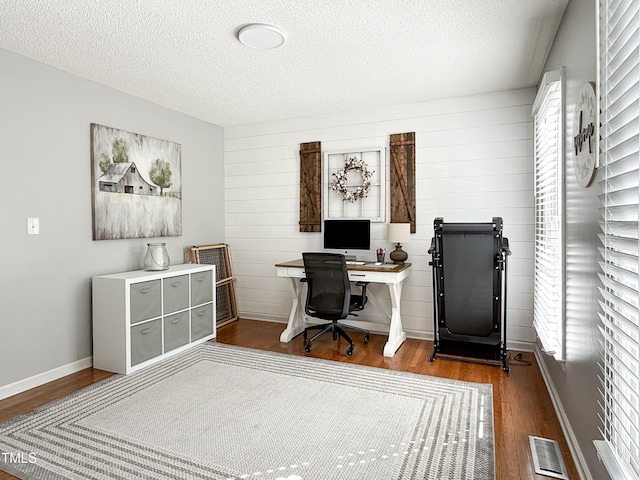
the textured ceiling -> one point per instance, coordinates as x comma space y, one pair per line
339, 54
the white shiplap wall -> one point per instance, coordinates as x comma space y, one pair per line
474, 161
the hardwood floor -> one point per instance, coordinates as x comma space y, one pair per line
522, 406
521, 403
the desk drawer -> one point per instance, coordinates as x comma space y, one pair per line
362, 276
291, 272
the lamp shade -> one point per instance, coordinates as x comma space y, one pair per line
398, 232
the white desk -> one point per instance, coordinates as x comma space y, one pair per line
390, 274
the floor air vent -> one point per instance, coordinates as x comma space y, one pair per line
547, 458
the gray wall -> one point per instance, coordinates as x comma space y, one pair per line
576, 382
45, 286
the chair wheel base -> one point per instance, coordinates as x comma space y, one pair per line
350, 351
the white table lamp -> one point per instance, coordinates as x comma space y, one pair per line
398, 233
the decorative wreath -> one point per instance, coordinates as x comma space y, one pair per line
339, 183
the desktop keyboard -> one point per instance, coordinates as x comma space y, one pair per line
352, 262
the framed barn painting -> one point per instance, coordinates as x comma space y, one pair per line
136, 185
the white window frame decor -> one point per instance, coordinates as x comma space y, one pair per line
548, 311
619, 150
354, 184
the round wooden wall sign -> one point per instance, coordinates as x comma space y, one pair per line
584, 135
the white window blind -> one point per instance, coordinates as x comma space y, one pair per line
619, 87
548, 318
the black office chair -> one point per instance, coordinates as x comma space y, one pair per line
329, 297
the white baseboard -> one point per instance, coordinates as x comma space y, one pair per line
263, 318
572, 441
45, 377
418, 335
520, 346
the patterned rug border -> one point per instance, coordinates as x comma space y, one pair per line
370, 377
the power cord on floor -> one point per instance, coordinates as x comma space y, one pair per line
518, 361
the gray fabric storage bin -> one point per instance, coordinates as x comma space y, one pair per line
176, 330
146, 341
175, 292
145, 301
201, 321
201, 288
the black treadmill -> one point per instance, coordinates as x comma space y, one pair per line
469, 263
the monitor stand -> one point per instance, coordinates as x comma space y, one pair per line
350, 258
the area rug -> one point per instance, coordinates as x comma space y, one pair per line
224, 412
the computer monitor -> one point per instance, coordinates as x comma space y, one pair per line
347, 234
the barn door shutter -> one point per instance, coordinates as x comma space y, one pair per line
403, 178
310, 187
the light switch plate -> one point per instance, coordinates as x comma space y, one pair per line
33, 226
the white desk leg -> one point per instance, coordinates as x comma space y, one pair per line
296, 320
396, 335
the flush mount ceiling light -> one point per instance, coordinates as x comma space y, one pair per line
261, 35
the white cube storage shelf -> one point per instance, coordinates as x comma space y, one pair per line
142, 317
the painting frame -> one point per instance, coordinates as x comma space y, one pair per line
136, 185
